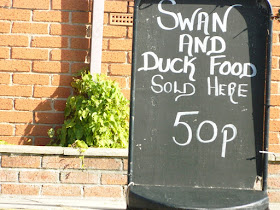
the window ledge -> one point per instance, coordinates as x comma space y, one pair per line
51, 150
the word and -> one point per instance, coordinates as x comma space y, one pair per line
225, 130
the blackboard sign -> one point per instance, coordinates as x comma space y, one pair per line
198, 93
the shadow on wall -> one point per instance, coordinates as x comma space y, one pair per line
69, 45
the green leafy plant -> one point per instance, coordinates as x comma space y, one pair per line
97, 116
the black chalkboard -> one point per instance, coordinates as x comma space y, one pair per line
199, 74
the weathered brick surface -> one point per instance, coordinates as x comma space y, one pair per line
50, 16
38, 176
102, 163
32, 130
103, 191
19, 189
114, 179
32, 104
42, 4
61, 190
7, 175
80, 177
21, 161
61, 162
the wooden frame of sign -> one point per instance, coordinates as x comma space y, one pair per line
200, 104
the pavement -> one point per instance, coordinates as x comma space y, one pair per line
59, 203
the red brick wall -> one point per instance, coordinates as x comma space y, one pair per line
59, 175
42, 44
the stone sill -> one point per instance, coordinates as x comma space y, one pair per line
95, 152
51, 150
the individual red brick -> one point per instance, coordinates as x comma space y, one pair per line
32, 105
273, 182
4, 52
83, 5
274, 169
129, 57
275, 63
274, 113
32, 130
125, 164
41, 141
114, 31
6, 104
61, 190
50, 67
30, 54
15, 65
5, 27
274, 125
276, 50
15, 90
79, 177
4, 78
120, 44
15, 14
68, 30
131, 6
49, 118
5, 3
275, 75
21, 161
20, 189
50, 16
75, 67
16, 140
57, 162
275, 37
6, 130
274, 196
80, 43
8, 175
81, 17
114, 57
113, 179
274, 148
275, 100
130, 32
30, 28
59, 105
120, 69
38, 176
62, 80
52, 92
274, 138
276, 26
103, 191
121, 81
48, 42
106, 18
104, 68
31, 79
105, 44
42, 4
18, 40
102, 163
68, 55
126, 93
115, 6
16, 117
275, 3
